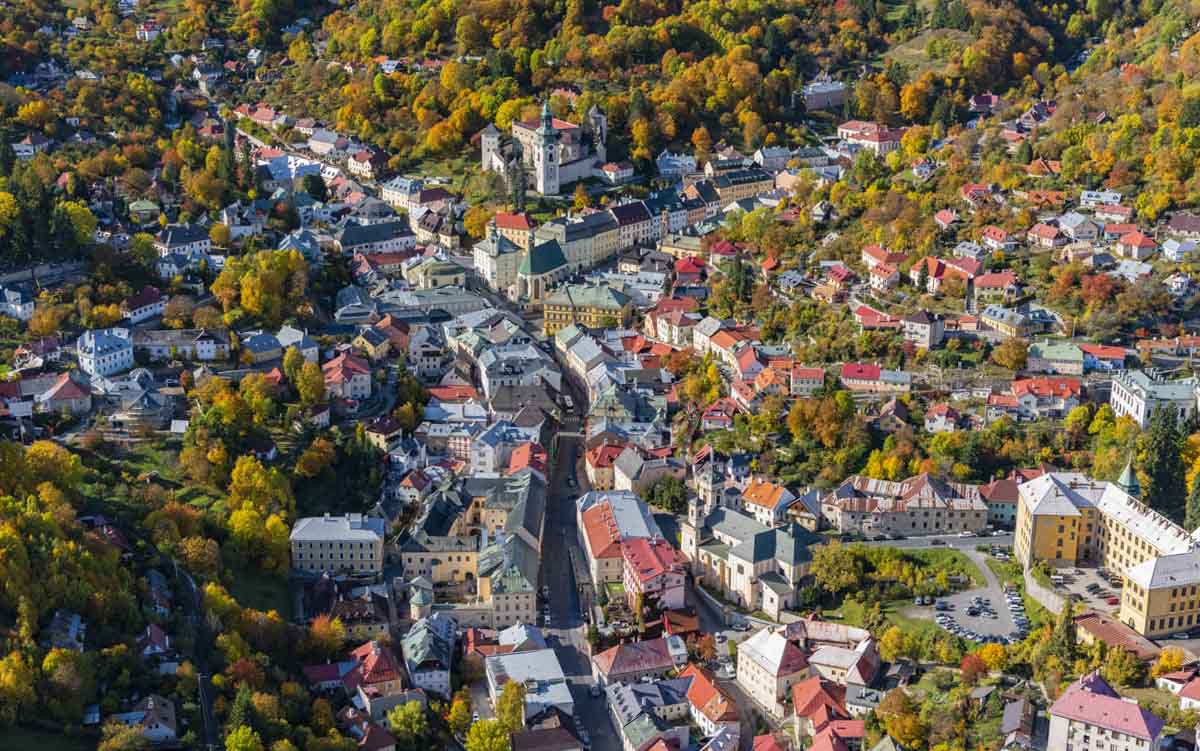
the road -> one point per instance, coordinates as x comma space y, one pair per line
951, 541
203, 646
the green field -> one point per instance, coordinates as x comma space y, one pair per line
262, 591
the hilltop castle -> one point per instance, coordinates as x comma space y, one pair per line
557, 152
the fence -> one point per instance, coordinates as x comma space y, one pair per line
1046, 598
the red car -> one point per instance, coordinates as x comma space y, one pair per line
1113, 601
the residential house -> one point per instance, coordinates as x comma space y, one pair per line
924, 329
104, 352
920, 505
145, 305
428, 649
154, 717
349, 543
1089, 716
871, 378
348, 377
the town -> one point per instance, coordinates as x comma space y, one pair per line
383, 377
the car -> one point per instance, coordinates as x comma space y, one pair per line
474, 717
937, 541
740, 626
595, 691
972, 611
966, 533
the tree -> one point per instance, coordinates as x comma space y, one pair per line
1191, 518
1161, 462
835, 567
320, 454
310, 384
293, 361
668, 492
972, 668
220, 235
459, 718
510, 707
409, 725
178, 311
488, 735
706, 648
117, 736
894, 644
901, 720
326, 635
993, 656
475, 221
1122, 668
261, 488
1012, 353
17, 680
581, 197
243, 738
314, 185
1169, 660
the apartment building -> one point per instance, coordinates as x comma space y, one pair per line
1091, 716
349, 543
1137, 393
920, 505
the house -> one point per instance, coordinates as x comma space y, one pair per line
66, 396
1178, 250
823, 93
382, 237
629, 662
976, 195
30, 146
428, 653
546, 687
1136, 245
874, 137
710, 706
153, 642
261, 346
16, 302
154, 716
617, 173
998, 239
768, 665
995, 285
189, 240
1040, 398
942, 418
1061, 358
919, 505
945, 219
1045, 236
1090, 715
1091, 199
1102, 357
348, 377
654, 573
871, 378
1078, 227
104, 352
924, 329
145, 305
875, 255
1137, 393
367, 163
767, 502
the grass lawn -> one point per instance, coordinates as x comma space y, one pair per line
262, 591
23, 739
614, 589
949, 560
852, 613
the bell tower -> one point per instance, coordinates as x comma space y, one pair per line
545, 154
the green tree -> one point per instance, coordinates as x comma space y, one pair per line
293, 360
310, 384
488, 735
1012, 353
1121, 668
409, 725
835, 567
510, 707
1161, 462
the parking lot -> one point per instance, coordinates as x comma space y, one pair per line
987, 613
1089, 587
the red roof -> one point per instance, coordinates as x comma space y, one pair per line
344, 367
992, 232
453, 393
1137, 240
376, 663
506, 220
772, 742
1103, 352
709, 698
813, 693
605, 455
148, 296
528, 454
1047, 387
649, 559
66, 389
856, 371
996, 280
946, 217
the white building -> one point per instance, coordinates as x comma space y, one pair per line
104, 352
1137, 393
545, 683
351, 542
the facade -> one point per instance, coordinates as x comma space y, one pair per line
592, 306
920, 505
654, 573
104, 352
496, 259
768, 665
1137, 393
349, 543
428, 650
556, 152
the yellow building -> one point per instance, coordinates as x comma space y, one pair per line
1065, 518
591, 306
1162, 595
444, 560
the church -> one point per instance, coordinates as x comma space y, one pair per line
557, 153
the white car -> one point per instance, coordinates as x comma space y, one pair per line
966, 533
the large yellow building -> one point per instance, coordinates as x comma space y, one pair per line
1065, 519
593, 306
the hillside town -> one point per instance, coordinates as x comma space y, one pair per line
634, 377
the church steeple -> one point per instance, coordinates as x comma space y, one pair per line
1128, 480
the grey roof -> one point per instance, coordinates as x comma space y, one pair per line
543, 258
346, 528
353, 234
734, 524
429, 644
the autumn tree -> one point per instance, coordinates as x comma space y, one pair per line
459, 718
243, 738
510, 707
409, 725
901, 719
310, 384
1169, 660
972, 667
17, 680
835, 567
1012, 353
488, 735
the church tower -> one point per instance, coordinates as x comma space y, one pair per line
1129, 482
489, 145
545, 154
689, 533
